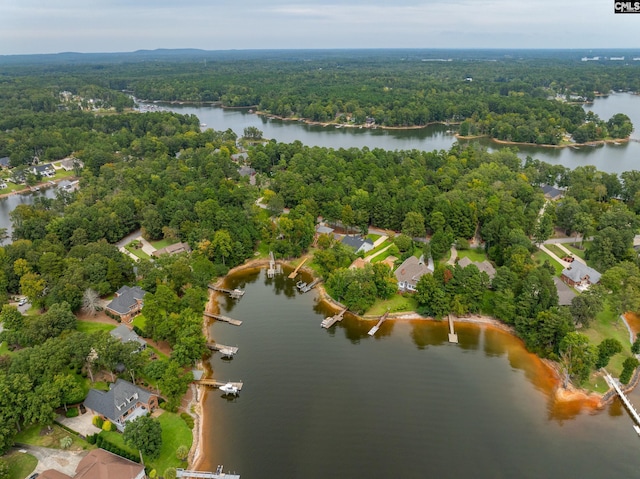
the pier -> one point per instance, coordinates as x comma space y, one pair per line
305, 288
382, 319
225, 351
295, 271
226, 319
219, 474
453, 337
273, 267
625, 400
331, 320
216, 384
233, 293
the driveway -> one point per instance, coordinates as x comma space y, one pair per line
58, 459
80, 424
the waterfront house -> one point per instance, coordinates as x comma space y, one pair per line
125, 335
410, 271
127, 303
580, 275
551, 192
123, 402
46, 170
172, 249
483, 266
358, 243
4, 162
100, 464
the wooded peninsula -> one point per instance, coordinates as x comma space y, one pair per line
162, 174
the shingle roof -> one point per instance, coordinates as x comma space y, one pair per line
126, 298
117, 400
4, 161
551, 191
578, 271
53, 474
481, 265
101, 464
124, 334
173, 249
356, 242
411, 270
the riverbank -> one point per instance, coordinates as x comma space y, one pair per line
615, 141
44, 184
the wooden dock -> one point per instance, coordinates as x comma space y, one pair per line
273, 268
382, 319
305, 288
295, 271
225, 351
453, 337
216, 384
331, 320
625, 400
234, 293
219, 474
226, 319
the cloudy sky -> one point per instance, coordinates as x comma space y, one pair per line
45, 26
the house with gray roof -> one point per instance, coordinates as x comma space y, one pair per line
580, 275
410, 271
357, 243
5, 162
125, 335
45, 170
483, 266
127, 303
172, 249
551, 192
123, 402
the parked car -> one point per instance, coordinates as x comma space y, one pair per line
34, 475
22, 302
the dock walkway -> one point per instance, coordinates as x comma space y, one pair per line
226, 319
227, 351
295, 271
453, 337
234, 293
331, 320
216, 384
625, 400
219, 474
382, 319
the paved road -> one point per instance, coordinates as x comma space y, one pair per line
554, 256
569, 253
58, 459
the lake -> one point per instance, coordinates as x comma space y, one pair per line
337, 403
610, 158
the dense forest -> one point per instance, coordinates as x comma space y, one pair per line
158, 172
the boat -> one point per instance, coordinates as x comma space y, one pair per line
203, 125
301, 284
229, 389
227, 352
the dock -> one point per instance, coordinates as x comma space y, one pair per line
216, 384
453, 337
331, 320
625, 400
225, 351
226, 319
382, 319
273, 267
219, 474
295, 271
305, 288
233, 293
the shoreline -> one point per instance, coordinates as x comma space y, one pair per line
46, 184
593, 400
545, 145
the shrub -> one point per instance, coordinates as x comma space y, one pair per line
153, 474
92, 438
628, 366
107, 426
97, 421
182, 453
170, 473
188, 419
65, 442
72, 412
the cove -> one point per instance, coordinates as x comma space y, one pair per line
337, 403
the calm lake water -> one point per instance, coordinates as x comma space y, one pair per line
610, 158
337, 403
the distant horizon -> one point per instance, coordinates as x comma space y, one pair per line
33, 27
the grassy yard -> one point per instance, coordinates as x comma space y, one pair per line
162, 243
37, 435
384, 255
555, 249
92, 327
396, 304
473, 254
20, 465
175, 433
373, 237
576, 251
540, 257
137, 252
381, 246
608, 325
4, 349
140, 321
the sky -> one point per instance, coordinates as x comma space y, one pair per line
45, 26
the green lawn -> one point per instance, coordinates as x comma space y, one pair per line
175, 432
373, 237
20, 465
473, 254
608, 325
576, 251
92, 327
396, 304
381, 246
4, 348
140, 321
32, 435
540, 257
555, 249
137, 252
162, 243
382, 256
